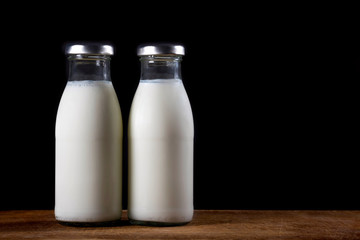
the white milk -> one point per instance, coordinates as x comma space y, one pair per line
161, 133
88, 153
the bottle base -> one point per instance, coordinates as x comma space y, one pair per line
157, 224
91, 224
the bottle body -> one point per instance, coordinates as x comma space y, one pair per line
88, 153
161, 153
160, 136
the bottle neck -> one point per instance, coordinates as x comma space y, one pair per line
160, 67
89, 67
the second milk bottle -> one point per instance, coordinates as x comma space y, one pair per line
161, 138
88, 140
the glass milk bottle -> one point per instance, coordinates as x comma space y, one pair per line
160, 136
88, 141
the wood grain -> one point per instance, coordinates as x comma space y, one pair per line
207, 224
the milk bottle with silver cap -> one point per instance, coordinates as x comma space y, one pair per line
88, 140
161, 139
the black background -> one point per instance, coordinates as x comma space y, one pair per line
273, 92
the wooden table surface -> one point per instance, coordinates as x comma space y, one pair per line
207, 224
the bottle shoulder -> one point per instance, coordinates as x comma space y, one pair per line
160, 98
88, 106
161, 109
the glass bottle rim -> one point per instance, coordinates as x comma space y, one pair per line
88, 57
161, 58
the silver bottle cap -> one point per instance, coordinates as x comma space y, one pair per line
160, 49
89, 48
